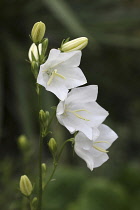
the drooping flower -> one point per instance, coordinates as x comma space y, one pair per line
61, 72
80, 112
94, 152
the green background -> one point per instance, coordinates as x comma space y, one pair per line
111, 61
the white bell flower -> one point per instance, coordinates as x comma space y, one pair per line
61, 72
94, 152
80, 112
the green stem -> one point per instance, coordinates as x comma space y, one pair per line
40, 173
40, 163
56, 163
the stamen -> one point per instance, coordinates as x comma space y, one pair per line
100, 149
79, 110
51, 78
54, 73
77, 115
60, 75
102, 142
80, 117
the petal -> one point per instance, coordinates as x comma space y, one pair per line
106, 134
74, 76
96, 113
92, 112
57, 59
62, 122
60, 108
86, 155
98, 161
77, 124
58, 88
83, 141
83, 94
52, 59
71, 58
42, 78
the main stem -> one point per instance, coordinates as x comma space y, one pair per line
40, 173
40, 162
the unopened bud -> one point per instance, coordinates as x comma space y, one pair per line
25, 185
75, 44
34, 203
23, 142
43, 116
52, 145
35, 68
33, 53
44, 168
38, 32
44, 46
44, 119
40, 48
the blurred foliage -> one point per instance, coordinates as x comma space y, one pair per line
111, 61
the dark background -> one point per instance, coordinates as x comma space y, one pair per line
111, 61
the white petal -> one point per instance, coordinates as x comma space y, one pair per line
62, 122
57, 58
74, 76
42, 78
60, 108
82, 141
86, 155
97, 114
83, 94
52, 58
71, 58
98, 161
58, 88
92, 113
106, 134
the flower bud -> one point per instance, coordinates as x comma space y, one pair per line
34, 203
25, 185
43, 116
38, 32
44, 173
35, 68
40, 48
75, 44
52, 145
23, 142
33, 53
44, 168
44, 46
44, 119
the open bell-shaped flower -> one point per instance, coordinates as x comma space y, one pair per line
61, 72
94, 152
80, 112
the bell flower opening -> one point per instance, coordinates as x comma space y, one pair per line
94, 152
80, 112
61, 72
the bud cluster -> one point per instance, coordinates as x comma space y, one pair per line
37, 51
44, 120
